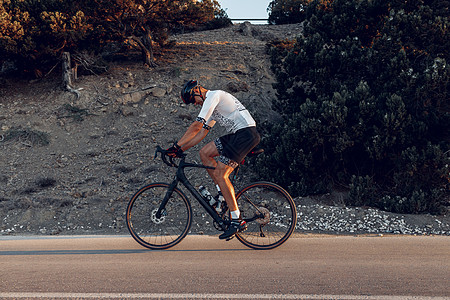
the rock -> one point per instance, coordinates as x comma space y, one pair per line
246, 29
235, 87
127, 111
131, 98
158, 92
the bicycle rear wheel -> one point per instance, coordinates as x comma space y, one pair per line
167, 230
270, 214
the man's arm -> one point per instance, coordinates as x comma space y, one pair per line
194, 135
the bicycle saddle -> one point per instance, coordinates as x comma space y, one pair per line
255, 152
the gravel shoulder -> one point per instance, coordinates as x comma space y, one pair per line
69, 166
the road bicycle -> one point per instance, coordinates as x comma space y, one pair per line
159, 215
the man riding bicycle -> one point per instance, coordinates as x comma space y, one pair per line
230, 150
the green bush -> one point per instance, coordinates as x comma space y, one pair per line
287, 11
364, 98
362, 191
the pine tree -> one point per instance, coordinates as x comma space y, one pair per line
287, 11
364, 96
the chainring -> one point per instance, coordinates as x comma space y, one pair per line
217, 226
225, 217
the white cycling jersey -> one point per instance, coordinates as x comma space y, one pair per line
220, 106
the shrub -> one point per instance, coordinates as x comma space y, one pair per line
287, 11
221, 20
34, 34
364, 98
362, 191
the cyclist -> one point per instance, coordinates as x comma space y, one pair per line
230, 150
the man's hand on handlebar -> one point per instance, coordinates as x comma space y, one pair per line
174, 151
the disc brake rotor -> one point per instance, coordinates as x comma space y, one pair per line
155, 219
265, 220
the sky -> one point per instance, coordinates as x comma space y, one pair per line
243, 9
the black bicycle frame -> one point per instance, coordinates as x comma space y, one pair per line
181, 177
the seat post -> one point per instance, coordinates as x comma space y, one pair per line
235, 174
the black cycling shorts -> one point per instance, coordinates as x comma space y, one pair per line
234, 147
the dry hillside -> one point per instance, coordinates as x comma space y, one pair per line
69, 166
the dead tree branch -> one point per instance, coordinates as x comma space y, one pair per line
67, 75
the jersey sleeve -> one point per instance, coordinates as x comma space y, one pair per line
205, 115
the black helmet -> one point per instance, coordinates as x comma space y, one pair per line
187, 91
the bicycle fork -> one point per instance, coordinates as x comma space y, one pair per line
162, 208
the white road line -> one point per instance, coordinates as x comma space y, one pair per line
19, 295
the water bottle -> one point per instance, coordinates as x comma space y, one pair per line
220, 199
207, 195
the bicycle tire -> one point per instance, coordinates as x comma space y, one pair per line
146, 228
277, 215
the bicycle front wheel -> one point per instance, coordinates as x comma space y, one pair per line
270, 214
164, 231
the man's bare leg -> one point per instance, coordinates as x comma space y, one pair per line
207, 154
220, 175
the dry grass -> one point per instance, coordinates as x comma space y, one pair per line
27, 136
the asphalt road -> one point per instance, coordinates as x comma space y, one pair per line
202, 267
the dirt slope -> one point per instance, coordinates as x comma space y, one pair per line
69, 166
